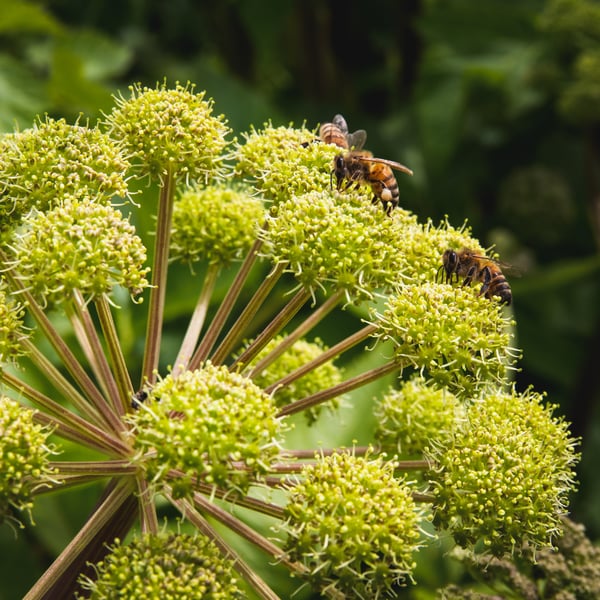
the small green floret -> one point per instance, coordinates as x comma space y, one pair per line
215, 224
282, 162
54, 161
353, 526
505, 475
161, 566
80, 244
337, 240
211, 425
411, 417
457, 338
24, 457
170, 131
323, 377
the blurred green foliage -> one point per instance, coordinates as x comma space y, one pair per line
495, 106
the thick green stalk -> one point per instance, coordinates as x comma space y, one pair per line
247, 314
159, 280
329, 354
197, 321
47, 585
68, 424
225, 308
115, 352
287, 313
340, 388
307, 324
103, 372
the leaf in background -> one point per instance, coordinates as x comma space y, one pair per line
22, 95
101, 57
69, 89
20, 16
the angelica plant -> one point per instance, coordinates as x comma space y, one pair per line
205, 427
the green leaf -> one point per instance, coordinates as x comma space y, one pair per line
20, 16
22, 95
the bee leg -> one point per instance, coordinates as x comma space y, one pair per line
487, 278
470, 274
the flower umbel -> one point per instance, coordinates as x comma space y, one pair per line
81, 244
164, 566
458, 339
215, 224
505, 474
353, 525
24, 457
169, 131
208, 425
202, 430
413, 416
54, 161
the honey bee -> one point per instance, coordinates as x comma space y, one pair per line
360, 166
337, 133
465, 263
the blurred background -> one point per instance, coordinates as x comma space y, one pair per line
495, 105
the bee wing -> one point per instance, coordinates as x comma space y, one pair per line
340, 122
390, 163
507, 268
357, 140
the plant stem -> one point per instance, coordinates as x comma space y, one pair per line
159, 280
197, 321
332, 352
218, 322
260, 506
307, 324
45, 586
69, 424
94, 467
149, 520
257, 584
104, 373
115, 352
341, 388
54, 376
247, 314
286, 314
63, 351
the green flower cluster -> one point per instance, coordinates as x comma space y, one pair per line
215, 224
11, 327
416, 415
24, 457
166, 567
338, 240
505, 474
82, 245
53, 161
323, 377
459, 339
353, 526
209, 425
170, 131
282, 162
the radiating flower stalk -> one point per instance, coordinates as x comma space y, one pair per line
456, 444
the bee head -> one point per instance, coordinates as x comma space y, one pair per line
449, 264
